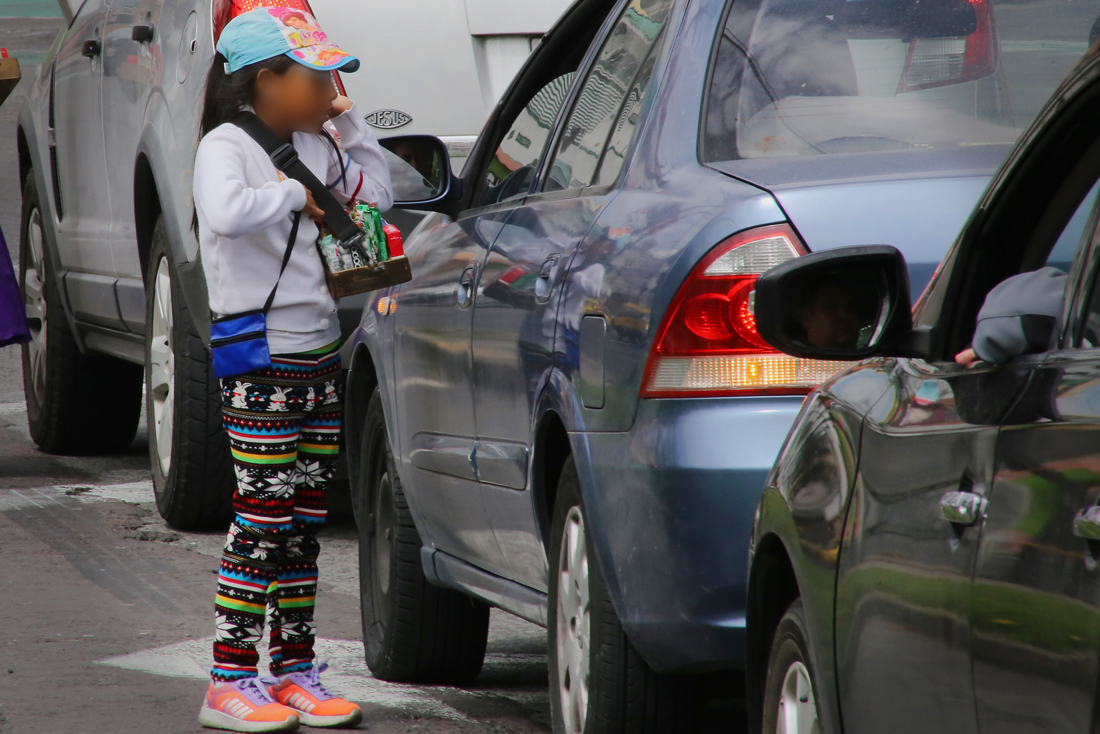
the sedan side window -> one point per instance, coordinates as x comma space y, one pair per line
607, 108
512, 168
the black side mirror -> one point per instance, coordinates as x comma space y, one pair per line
849, 304
420, 169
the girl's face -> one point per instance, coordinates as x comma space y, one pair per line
297, 101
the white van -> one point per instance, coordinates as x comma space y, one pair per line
435, 67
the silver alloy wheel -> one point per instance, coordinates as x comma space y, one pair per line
573, 624
162, 367
34, 303
797, 709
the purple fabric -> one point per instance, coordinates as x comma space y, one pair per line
13, 318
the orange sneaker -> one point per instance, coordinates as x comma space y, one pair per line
245, 705
314, 705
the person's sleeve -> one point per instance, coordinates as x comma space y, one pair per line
366, 176
1020, 315
230, 207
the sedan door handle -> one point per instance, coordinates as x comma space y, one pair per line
1087, 523
142, 33
962, 508
545, 282
464, 292
91, 48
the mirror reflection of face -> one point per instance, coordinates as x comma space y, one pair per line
416, 157
829, 318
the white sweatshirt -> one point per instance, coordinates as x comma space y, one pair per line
245, 210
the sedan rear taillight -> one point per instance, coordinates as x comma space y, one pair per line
708, 346
937, 62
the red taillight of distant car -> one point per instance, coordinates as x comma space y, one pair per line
708, 346
938, 62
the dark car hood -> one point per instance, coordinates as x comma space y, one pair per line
916, 201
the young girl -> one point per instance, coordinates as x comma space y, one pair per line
283, 421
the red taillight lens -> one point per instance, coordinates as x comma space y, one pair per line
708, 345
937, 62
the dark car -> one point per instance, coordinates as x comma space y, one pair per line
924, 558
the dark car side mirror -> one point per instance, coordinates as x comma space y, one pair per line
849, 304
420, 170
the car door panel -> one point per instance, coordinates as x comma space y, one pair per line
903, 591
130, 69
1036, 615
436, 432
513, 350
85, 227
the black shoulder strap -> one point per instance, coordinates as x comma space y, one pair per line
286, 160
286, 259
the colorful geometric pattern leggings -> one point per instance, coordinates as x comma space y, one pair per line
284, 430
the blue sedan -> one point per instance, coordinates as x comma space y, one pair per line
568, 413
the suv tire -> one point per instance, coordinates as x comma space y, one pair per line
76, 403
188, 450
413, 632
789, 691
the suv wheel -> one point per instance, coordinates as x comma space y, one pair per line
189, 452
790, 705
413, 632
599, 684
76, 403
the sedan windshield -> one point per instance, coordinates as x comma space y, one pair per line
810, 77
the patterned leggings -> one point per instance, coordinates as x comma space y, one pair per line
284, 431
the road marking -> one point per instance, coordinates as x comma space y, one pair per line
347, 676
59, 494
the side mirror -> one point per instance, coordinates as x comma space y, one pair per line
849, 304
420, 169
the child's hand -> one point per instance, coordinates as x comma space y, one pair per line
313, 211
340, 105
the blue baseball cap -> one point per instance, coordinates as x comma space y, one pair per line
265, 33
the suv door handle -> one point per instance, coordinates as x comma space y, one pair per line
962, 508
91, 48
545, 282
142, 33
1087, 523
464, 291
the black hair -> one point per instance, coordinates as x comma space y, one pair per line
227, 93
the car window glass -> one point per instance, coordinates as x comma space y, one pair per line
816, 77
622, 132
1065, 248
1089, 335
605, 96
512, 167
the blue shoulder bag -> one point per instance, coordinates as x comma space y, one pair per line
239, 341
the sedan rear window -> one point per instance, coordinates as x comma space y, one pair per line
812, 77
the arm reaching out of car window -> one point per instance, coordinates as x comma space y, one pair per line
1019, 316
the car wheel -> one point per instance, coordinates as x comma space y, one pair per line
189, 452
790, 704
76, 403
413, 632
599, 684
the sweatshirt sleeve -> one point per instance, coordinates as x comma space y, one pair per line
1020, 315
366, 164
226, 204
